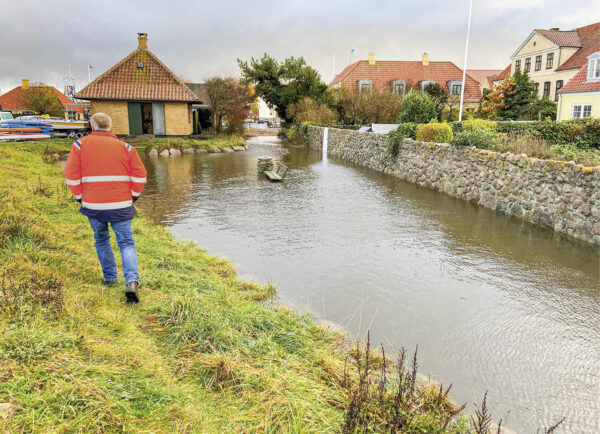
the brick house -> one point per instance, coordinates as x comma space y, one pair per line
13, 101
399, 77
142, 96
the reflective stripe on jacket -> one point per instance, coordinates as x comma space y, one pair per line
104, 172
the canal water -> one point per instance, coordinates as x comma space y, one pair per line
493, 303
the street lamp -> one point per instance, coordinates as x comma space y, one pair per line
462, 88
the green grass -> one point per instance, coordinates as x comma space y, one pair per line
203, 351
62, 145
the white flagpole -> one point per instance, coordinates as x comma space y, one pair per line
89, 74
462, 88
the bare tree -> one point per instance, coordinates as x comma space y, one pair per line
229, 101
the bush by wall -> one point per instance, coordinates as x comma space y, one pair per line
417, 107
479, 125
435, 132
480, 138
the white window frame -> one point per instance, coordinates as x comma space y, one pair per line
362, 83
582, 110
424, 83
394, 83
451, 85
593, 63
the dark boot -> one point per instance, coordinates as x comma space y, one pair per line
110, 283
131, 292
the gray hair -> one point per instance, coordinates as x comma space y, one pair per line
101, 122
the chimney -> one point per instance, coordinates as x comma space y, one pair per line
371, 58
425, 59
25, 84
142, 41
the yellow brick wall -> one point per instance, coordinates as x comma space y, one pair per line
117, 110
178, 119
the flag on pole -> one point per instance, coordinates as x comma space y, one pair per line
90, 66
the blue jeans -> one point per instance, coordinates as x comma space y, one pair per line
126, 245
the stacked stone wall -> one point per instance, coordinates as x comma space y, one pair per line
558, 195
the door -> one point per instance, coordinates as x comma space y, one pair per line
134, 110
158, 119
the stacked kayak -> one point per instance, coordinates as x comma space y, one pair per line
15, 129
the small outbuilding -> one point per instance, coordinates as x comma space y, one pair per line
142, 96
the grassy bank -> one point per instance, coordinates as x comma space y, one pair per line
62, 145
203, 352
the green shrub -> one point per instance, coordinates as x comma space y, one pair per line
305, 125
590, 158
292, 133
417, 107
484, 139
404, 131
479, 125
435, 132
408, 130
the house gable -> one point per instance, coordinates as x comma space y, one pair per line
140, 76
535, 42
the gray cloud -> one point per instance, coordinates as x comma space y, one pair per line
201, 39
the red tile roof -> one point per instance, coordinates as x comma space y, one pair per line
561, 38
590, 43
579, 82
12, 100
481, 75
504, 74
125, 81
385, 71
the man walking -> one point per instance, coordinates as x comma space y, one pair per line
106, 176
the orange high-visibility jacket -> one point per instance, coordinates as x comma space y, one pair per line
104, 172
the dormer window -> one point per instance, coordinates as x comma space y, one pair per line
365, 85
398, 87
594, 67
423, 84
454, 88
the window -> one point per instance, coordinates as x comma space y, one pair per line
518, 64
538, 63
546, 89
549, 60
454, 87
423, 84
398, 87
559, 84
365, 85
582, 111
536, 88
594, 67
528, 64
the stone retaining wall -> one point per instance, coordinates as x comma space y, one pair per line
559, 195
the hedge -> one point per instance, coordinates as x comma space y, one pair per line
583, 133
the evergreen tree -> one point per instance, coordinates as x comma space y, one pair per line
285, 83
518, 104
439, 96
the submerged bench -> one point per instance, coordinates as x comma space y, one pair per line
277, 176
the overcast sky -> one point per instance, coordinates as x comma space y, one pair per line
201, 39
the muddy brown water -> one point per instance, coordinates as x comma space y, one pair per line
493, 303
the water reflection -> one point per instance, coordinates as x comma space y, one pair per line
492, 302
